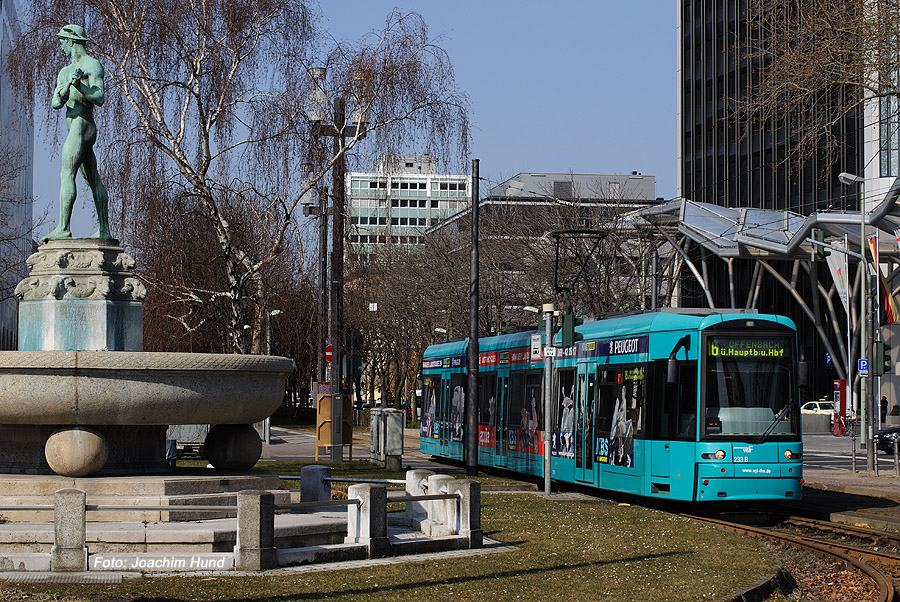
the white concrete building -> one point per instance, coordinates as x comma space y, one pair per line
397, 202
16, 175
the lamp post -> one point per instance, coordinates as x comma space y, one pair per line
339, 129
864, 402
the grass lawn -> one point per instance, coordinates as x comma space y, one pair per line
565, 550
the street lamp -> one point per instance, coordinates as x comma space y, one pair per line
865, 403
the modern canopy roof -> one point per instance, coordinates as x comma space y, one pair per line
748, 233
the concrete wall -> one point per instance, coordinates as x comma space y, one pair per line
815, 423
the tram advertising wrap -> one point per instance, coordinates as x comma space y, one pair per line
689, 406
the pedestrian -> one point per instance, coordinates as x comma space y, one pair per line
883, 409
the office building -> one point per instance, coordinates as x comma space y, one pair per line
730, 161
399, 200
16, 173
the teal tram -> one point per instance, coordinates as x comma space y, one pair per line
669, 405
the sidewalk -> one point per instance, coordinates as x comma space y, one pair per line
290, 444
885, 485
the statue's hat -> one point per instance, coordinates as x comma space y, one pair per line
72, 32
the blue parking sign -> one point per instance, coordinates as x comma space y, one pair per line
862, 365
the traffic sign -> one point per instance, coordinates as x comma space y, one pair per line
328, 353
862, 366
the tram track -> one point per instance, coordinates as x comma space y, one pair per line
858, 557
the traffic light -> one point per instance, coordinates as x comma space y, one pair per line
819, 253
569, 336
883, 364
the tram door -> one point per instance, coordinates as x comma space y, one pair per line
502, 418
584, 423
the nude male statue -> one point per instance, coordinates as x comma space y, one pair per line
79, 87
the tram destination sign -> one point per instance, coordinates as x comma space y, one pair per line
746, 347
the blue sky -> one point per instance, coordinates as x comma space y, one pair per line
584, 86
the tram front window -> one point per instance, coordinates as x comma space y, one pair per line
749, 383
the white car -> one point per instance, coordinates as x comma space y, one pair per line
818, 407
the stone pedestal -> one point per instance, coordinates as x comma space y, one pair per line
81, 296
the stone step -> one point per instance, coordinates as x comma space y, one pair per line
196, 487
324, 553
218, 535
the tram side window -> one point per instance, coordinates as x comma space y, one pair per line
486, 401
533, 400
516, 401
457, 406
634, 394
609, 392
564, 406
432, 403
563, 418
674, 411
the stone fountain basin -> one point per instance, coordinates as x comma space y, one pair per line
138, 388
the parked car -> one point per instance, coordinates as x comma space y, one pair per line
885, 439
818, 407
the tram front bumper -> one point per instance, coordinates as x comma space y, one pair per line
741, 482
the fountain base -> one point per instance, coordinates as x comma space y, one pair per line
131, 449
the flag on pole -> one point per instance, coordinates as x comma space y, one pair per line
889, 313
837, 264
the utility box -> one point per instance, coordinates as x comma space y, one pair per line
387, 437
376, 443
324, 422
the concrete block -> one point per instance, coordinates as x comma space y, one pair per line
313, 486
467, 511
437, 522
20, 563
416, 481
255, 547
367, 523
69, 552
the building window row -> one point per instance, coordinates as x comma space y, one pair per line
381, 239
422, 203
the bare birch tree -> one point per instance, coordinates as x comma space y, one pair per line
211, 101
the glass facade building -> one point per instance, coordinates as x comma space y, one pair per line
728, 160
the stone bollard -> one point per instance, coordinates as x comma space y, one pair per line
436, 523
367, 523
69, 552
416, 512
255, 546
467, 511
313, 486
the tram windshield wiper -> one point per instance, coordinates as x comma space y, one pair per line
775, 422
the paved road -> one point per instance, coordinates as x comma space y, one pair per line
828, 452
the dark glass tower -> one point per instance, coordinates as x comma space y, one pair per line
732, 161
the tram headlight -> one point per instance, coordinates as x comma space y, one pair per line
791, 455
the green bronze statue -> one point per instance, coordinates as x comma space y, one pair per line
79, 87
